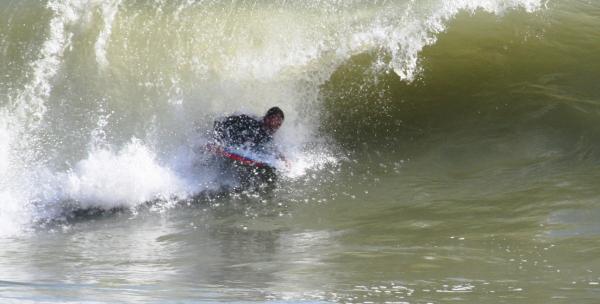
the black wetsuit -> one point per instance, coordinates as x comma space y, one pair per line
242, 130
246, 132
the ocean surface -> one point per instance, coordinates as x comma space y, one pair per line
441, 151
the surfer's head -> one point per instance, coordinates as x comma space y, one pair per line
273, 120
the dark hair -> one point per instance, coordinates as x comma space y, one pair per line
275, 111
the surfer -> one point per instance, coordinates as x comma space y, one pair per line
252, 133
243, 132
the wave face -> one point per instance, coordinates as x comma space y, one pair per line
104, 103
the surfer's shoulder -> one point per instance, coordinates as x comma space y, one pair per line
240, 118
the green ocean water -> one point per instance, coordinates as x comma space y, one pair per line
441, 151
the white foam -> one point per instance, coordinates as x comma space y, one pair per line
14, 216
125, 178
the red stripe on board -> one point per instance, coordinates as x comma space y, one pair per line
243, 160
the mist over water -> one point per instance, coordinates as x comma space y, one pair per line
424, 137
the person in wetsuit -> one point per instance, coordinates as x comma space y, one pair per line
245, 131
253, 133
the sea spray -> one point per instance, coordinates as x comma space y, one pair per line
132, 176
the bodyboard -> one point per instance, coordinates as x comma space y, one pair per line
245, 156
